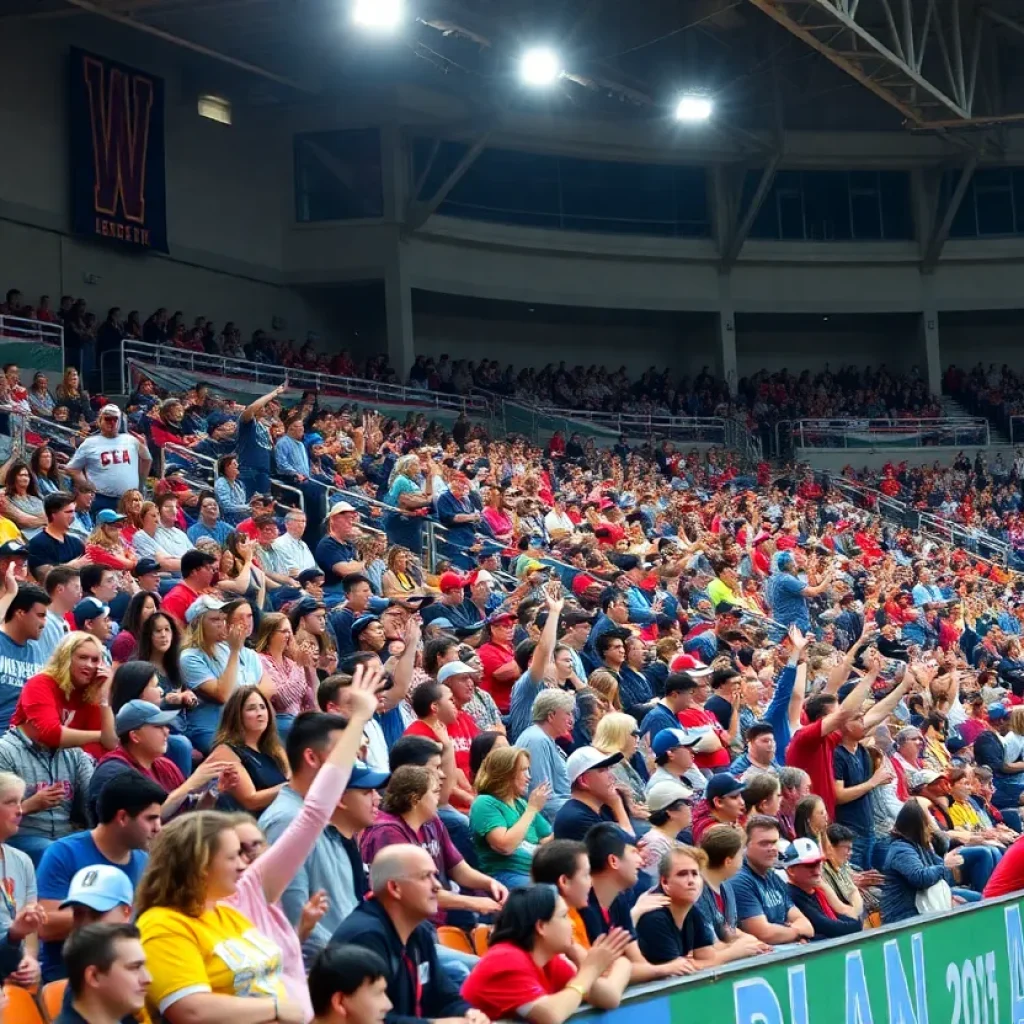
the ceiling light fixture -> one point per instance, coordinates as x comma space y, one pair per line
693, 108
378, 15
540, 66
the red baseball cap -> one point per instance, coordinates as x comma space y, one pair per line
685, 663
582, 581
451, 581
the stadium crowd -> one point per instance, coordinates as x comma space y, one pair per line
381, 722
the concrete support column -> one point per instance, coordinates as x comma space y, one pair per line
726, 332
398, 308
928, 331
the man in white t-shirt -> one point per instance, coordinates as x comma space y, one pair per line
113, 462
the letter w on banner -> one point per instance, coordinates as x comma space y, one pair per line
118, 191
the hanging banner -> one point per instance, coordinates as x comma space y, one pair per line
118, 190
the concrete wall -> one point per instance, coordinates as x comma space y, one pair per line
896, 347
835, 459
684, 350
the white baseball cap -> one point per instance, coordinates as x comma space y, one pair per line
586, 759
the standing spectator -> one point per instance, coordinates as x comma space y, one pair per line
254, 444
113, 462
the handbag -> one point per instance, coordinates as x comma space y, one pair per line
935, 899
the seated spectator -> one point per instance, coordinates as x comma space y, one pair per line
105, 544
25, 619
812, 896
291, 548
507, 826
763, 795
395, 925
290, 670
723, 849
55, 780
333, 865
107, 974
348, 985
142, 730
20, 913
99, 894
680, 930
552, 715
214, 663
128, 819
838, 850
911, 864
614, 872
673, 755
723, 804
197, 572
55, 544
92, 616
594, 797
680, 688
618, 733
66, 704
64, 589
763, 905
409, 815
247, 738
126, 644
527, 972
460, 679
184, 919
669, 804
24, 505
565, 865
436, 714
271, 869
759, 756
229, 490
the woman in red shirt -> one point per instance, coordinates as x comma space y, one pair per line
67, 704
526, 972
498, 660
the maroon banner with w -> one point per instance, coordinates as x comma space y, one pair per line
118, 191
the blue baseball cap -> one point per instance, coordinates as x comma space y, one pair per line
108, 516
365, 777
134, 714
669, 739
100, 887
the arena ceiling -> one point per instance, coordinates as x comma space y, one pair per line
951, 66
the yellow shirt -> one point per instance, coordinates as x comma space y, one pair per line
8, 531
964, 816
218, 952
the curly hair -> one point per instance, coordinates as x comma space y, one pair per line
408, 784
179, 859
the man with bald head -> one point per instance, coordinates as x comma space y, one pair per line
395, 924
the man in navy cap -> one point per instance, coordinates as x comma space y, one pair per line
92, 616
359, 603
722, 805
147, 575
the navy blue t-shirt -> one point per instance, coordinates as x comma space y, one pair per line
599, 921
658, 718
661, 941
852, 770
328, 553
253, 445
46, 550
575, 818
758, 896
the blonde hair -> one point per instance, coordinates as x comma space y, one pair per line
8, 781
195, 633
497, 774
1017, 720
604, 682
179, 860
613, 731
100, 538
58, 668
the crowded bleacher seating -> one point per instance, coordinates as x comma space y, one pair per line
351, 694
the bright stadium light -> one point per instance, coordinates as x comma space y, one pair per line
693, 107
378, 15
540, 66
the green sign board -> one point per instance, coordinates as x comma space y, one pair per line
965, 967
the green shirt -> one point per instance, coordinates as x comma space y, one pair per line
488, 813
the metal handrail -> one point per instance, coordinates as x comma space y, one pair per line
815, 429
202, 362
19, 328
